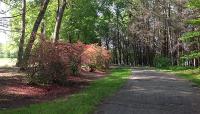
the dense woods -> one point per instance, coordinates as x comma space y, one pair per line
136, 32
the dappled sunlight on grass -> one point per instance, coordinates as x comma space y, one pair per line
7, 62
192, 74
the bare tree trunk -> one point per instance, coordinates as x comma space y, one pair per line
34, 31
118, 37
21, 43
59, 17
43, 29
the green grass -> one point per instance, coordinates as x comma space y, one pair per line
83, 103
192, 74
7, 62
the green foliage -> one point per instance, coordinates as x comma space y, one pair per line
1, 51
190, 36
80, 21
93, 67
191, 55
160, 61
84, 20
194, 21
74, 67
81, 103
194, 4
192, 74
7, 51
177, 68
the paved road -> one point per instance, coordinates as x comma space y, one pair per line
150, 92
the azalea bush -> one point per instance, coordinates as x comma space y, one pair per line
52, 63
96, 57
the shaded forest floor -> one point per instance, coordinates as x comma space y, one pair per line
15, 92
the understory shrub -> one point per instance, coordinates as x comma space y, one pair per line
74, 67
53, 62
95, 57
160, 61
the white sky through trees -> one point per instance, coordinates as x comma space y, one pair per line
4, 23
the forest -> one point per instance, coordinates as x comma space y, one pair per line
69, 45
136, 32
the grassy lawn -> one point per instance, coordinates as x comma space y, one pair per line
84, 102
7, 62
192, 74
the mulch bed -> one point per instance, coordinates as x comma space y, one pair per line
15, 92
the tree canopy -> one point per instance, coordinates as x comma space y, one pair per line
136, 31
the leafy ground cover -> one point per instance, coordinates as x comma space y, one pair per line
192, 74
80, 103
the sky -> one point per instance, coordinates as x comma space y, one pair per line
4, 35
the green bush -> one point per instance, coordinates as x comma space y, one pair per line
43, 74
92, 67
160, 61
75, 67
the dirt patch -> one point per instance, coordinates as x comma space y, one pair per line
15, 92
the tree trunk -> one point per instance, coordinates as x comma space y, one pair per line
59, 17
21, 43
43, 31
34, 31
